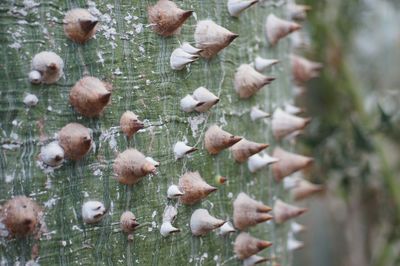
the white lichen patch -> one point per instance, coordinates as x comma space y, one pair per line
50, 203
15, 45
3, 231
48, 184
30, 4
118, 72
100, 56
108, 24
76, 228
138, 27
113, 143
128, 18
93, 9
222, 120
109, 135
195, 122
141, 49
9, 178
11, 146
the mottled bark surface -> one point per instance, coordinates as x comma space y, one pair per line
128, 54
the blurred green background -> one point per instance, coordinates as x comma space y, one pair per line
354, 135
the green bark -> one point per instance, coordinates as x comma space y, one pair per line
148, 87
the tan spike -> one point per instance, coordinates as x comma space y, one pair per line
212, 38
130, 123
80, 25
166, 18
76, 141
277, 28
249, 212
243, 149
288, 163
284, 124
201, 222
303, 69
216, 139
130, 166
248, 81
246, 245
284, 211
89, 96
194, 188
305, 189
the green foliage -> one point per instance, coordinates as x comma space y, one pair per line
355, 136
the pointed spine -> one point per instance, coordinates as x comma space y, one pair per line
216, 139
236, 7
181, 149
277, 28
284, 211
167, 18
253, 260
174, 192
248, 81
305, 189
194, 188
20, 216
297, 12
80, 25
243, 149
303, 69
52, 154
76, 141
288, 163
212, 38
246, 245
89, 96
256, 114
262, 64
47, 67
297, 228
256, 162
248, 212
201, 222
226, 229
188, 103
188, 48
179, 59
205, 96
294, 244
284, 124
130, 123
93, 211
131, 166
128, 222
170, 213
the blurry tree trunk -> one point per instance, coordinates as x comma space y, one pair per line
128, 54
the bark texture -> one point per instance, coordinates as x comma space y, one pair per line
135, 60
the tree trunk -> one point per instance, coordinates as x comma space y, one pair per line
135, 60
